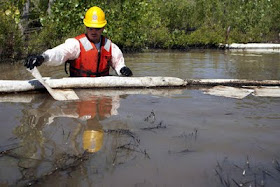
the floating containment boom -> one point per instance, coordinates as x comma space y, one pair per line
233, 88
85, 82
7, 86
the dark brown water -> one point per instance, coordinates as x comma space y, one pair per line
148, 137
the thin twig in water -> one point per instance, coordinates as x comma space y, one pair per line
277, 165
227, 182
264, 178
220, 176
219, 166
68, 135
159, 126
6, 152
151, 118
238, 167
133, 148
185, 151
255, 179
237, 183
195, 133
123, 132
247, 162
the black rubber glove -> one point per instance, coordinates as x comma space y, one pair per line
126, 71
34, 60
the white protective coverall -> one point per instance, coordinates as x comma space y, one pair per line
70, 50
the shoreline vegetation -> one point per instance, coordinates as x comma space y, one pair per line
32, 26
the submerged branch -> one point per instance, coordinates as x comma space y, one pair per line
158, 126
123, 132
77, 160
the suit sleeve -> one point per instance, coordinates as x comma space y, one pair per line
58, 55
117, 59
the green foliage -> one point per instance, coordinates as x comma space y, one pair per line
159, 38
11, 44
130, 23
65, 21
143, 24
207, 35
66, 15
251, 20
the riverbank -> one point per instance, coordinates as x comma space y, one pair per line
136, 25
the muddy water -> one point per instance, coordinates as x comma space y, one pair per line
148, 137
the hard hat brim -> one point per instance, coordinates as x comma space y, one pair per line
94, 25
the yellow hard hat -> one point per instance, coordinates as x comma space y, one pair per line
92, 140
95, 18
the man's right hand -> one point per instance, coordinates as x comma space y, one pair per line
34, 60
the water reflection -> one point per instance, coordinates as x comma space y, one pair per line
56, 136
93, 136
87, 113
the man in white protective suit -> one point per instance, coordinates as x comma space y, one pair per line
90, 54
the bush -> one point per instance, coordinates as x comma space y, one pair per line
11, 43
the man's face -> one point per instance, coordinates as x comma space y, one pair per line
94, 34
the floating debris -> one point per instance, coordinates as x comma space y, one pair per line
227, 91
151, 118
267, 91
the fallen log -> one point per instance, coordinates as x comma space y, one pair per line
7, 86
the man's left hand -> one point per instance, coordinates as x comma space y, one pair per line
126, 71
34, 60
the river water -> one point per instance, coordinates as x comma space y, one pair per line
145, 137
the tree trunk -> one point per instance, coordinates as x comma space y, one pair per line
50, 6
25, 16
